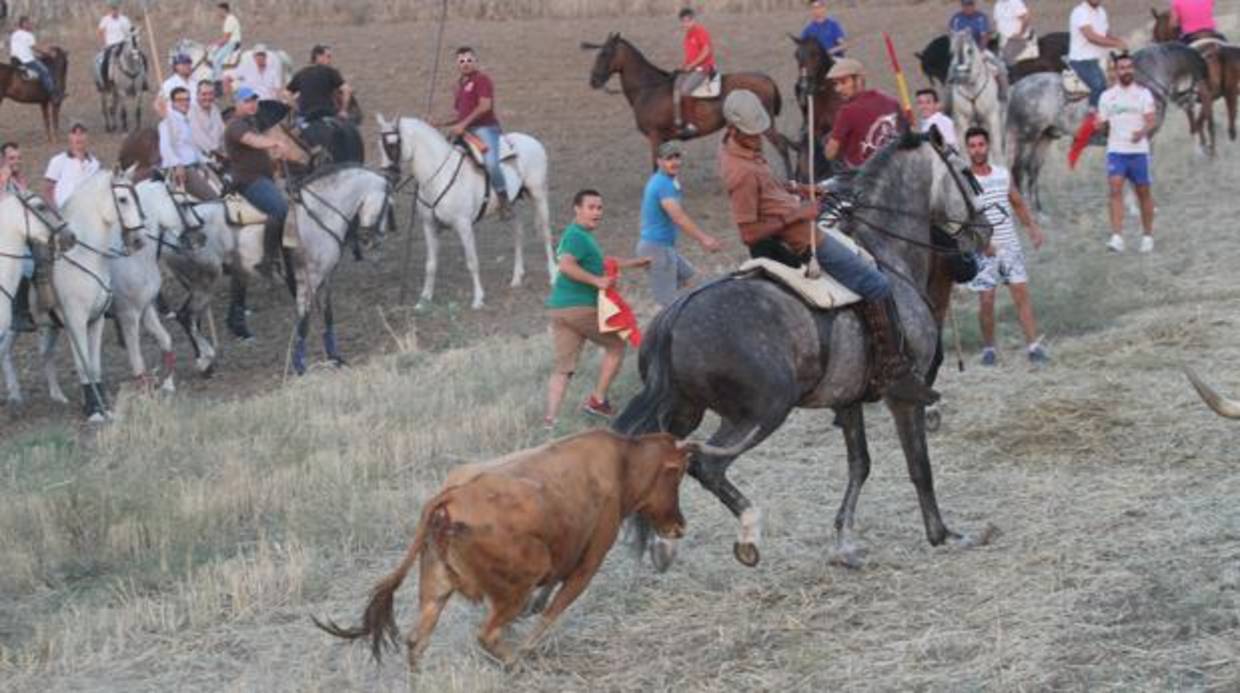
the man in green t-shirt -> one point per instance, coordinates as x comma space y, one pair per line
573, 307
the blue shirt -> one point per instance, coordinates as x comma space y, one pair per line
827, 33
657, 226
976, 23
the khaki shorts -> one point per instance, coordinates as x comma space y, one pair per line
570, 329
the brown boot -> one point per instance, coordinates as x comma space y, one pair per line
893, 375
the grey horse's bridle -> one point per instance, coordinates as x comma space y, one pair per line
127, 231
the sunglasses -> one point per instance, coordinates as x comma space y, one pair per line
464, 61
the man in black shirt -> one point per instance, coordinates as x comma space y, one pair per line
318, 89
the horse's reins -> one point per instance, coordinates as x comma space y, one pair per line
986, 83
443, 192
387, 196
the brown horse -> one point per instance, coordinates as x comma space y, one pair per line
15, 87
1222, 59
813, 64
649, 92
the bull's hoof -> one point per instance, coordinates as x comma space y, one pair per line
934, 419
968, 541
746, 553
662, 555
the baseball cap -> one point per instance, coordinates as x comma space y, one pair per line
245, 94
182, 59
670, 149
78, 126
259, 48
846, 67
744, 111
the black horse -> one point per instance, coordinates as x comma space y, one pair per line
751, 352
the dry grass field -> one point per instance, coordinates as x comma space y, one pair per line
185, 546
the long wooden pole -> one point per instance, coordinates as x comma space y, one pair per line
150, 35
813, 271
901, 83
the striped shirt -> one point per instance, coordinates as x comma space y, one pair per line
996, 188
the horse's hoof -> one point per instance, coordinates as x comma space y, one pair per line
662, 554
96, 418
338, 361
168, 386
423, 305
477, 305
966, 541
746, 553
848, 555
934, 419
59, 398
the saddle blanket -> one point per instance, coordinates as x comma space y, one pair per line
823, 293
1073, 85
477, 148
710, 89
239, 212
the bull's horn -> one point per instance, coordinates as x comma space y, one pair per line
588, 46
1221, 405
707, 448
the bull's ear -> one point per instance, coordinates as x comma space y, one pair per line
935, 137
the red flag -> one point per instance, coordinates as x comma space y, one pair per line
614, 312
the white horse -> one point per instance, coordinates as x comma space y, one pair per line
121, 78
201, 58
326, 207
103, 213
975, 98
197, 266
453, 191
29, 229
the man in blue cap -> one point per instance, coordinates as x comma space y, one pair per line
250, 155
182, 66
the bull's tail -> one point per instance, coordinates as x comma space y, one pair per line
378, 622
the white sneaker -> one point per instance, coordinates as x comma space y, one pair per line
1147, 244
1116, 244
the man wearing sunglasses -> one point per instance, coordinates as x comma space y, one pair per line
475, 113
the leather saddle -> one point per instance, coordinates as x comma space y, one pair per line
477, 148
239, 212
1074, 87
710, 89
823, 292
26, 73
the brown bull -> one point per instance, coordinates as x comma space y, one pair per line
537, 518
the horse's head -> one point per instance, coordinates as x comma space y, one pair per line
606, 62
966, 57
953, 196
813, 64
1163, 31
373, 213
126, 210
47, 234
391, 148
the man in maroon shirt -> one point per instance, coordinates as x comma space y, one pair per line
475, 112
868, 120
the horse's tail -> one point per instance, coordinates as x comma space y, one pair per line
378, 622
777, 101
644, 413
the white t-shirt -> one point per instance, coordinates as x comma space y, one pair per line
1079, 47
115, 29
945, 125
232, 27
178, 81
1007, 17
176, 144
68, 173
21, 46
1125, 108
268, 83
996, 200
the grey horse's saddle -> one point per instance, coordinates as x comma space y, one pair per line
239, 212
822, 292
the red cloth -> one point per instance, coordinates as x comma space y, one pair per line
697, 40
1081, 141
867, 123
621, 318
469, 91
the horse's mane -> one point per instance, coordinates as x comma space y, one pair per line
97, 180
642, 57
870, 172
327, 170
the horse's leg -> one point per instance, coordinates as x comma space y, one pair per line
7, 337
236, 307
430, 232
47, 359
1230, 97
910, 422
94, 355
465, 229
329, 330
542, 222
47, 121
306, 292
711, 472
103, 106
150, 320
683, 420
127, 319
1037, 158
847, 551
197, 303
518, 250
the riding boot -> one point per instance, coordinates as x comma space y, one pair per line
893, 375
1083, 136
45, 293
683, 130
505, 205
269, 266
23, 321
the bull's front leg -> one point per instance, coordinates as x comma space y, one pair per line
574, 584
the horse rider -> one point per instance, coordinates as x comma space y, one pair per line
250, 159
13, 181
70, 168
1089, 41
475, 112
774, 221
318, 90
182, 68
1014, 27
178, 155
260, 74
974, 21
825, 30
24, 49
112, 31
1196, 22
697, 69
206, 124
865, 123
228, 43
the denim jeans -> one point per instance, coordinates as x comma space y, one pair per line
45, 75
852, 270
1090, 72
264, 195
219, 56
490, 135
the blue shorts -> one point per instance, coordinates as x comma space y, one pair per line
1134, 167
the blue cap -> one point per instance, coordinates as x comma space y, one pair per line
245, 94
182, 59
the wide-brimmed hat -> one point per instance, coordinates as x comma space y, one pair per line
744, 111
846, 67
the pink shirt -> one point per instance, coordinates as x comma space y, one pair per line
1195, 15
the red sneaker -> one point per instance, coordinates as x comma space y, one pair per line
596, 408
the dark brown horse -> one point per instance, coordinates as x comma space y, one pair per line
1222, 60
813, 64
649, 92
15, 87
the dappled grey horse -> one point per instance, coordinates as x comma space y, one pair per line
1039, 112
751, 352
121, 78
